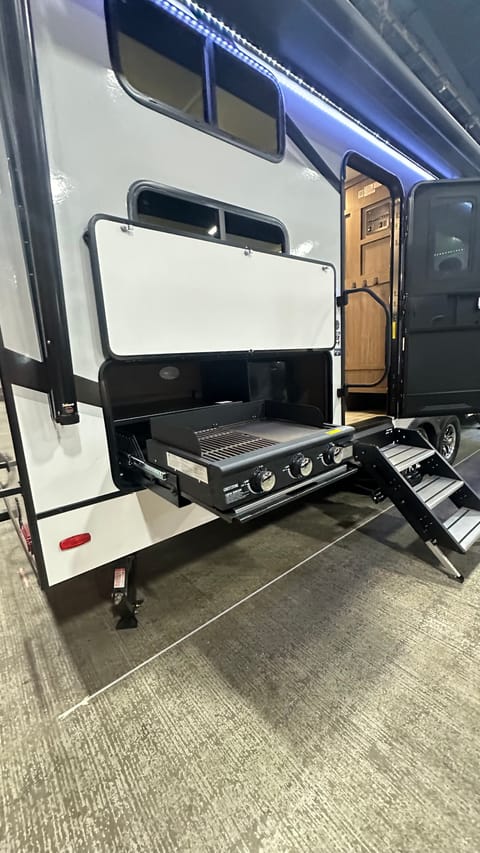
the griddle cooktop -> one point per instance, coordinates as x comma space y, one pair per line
231, 454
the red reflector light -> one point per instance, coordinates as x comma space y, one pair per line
74, 541
25, 530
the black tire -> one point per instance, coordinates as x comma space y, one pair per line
449, 439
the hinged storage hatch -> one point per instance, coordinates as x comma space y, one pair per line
165, 293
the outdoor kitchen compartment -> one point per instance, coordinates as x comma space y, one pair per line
217, 323
232, 454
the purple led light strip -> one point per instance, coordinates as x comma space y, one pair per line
216, 30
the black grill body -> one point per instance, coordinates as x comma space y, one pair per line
220, 452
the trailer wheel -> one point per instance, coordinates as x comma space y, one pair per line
449, 440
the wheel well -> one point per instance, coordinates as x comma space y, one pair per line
430, 432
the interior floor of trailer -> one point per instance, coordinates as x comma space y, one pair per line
353, 417
336, 709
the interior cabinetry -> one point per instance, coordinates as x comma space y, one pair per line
368, 239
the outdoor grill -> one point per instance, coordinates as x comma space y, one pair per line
231, 457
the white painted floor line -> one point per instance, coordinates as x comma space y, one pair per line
467, 458
223, 613
220, 615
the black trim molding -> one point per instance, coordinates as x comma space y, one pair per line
312, 155
27, 372
24, 371
58, 510
88, 391
22, 122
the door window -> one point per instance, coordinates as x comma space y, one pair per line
451, 223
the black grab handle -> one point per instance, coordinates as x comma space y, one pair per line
388, 334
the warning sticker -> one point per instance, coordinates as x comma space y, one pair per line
186, 466
119, 577
231, 497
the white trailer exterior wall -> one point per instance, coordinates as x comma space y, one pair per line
101, 142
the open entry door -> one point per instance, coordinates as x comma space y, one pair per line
440, 358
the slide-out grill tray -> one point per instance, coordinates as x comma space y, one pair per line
219, 456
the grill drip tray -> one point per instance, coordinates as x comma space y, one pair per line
229, 457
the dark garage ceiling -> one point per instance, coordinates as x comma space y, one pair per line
439, 40
410, 67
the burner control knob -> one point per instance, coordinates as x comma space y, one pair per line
263, 480
333, 455
301, 466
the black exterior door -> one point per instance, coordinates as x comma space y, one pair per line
439, 361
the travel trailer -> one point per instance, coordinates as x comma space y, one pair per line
219, 292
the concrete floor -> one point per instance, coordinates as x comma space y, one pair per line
337, 710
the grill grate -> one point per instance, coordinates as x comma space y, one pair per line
223, 444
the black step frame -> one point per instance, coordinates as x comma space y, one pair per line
396, 486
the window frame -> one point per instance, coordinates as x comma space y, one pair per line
183, 228
222, 207
212, 47
208, 124
444, 275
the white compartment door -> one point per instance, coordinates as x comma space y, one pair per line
160, 293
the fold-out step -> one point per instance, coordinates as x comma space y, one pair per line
464, 527
434, 490
403, 456
434, 481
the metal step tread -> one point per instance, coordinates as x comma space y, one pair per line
433, 490
464, 527
403, 456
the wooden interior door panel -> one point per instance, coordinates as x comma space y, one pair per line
375, 260
368, 235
